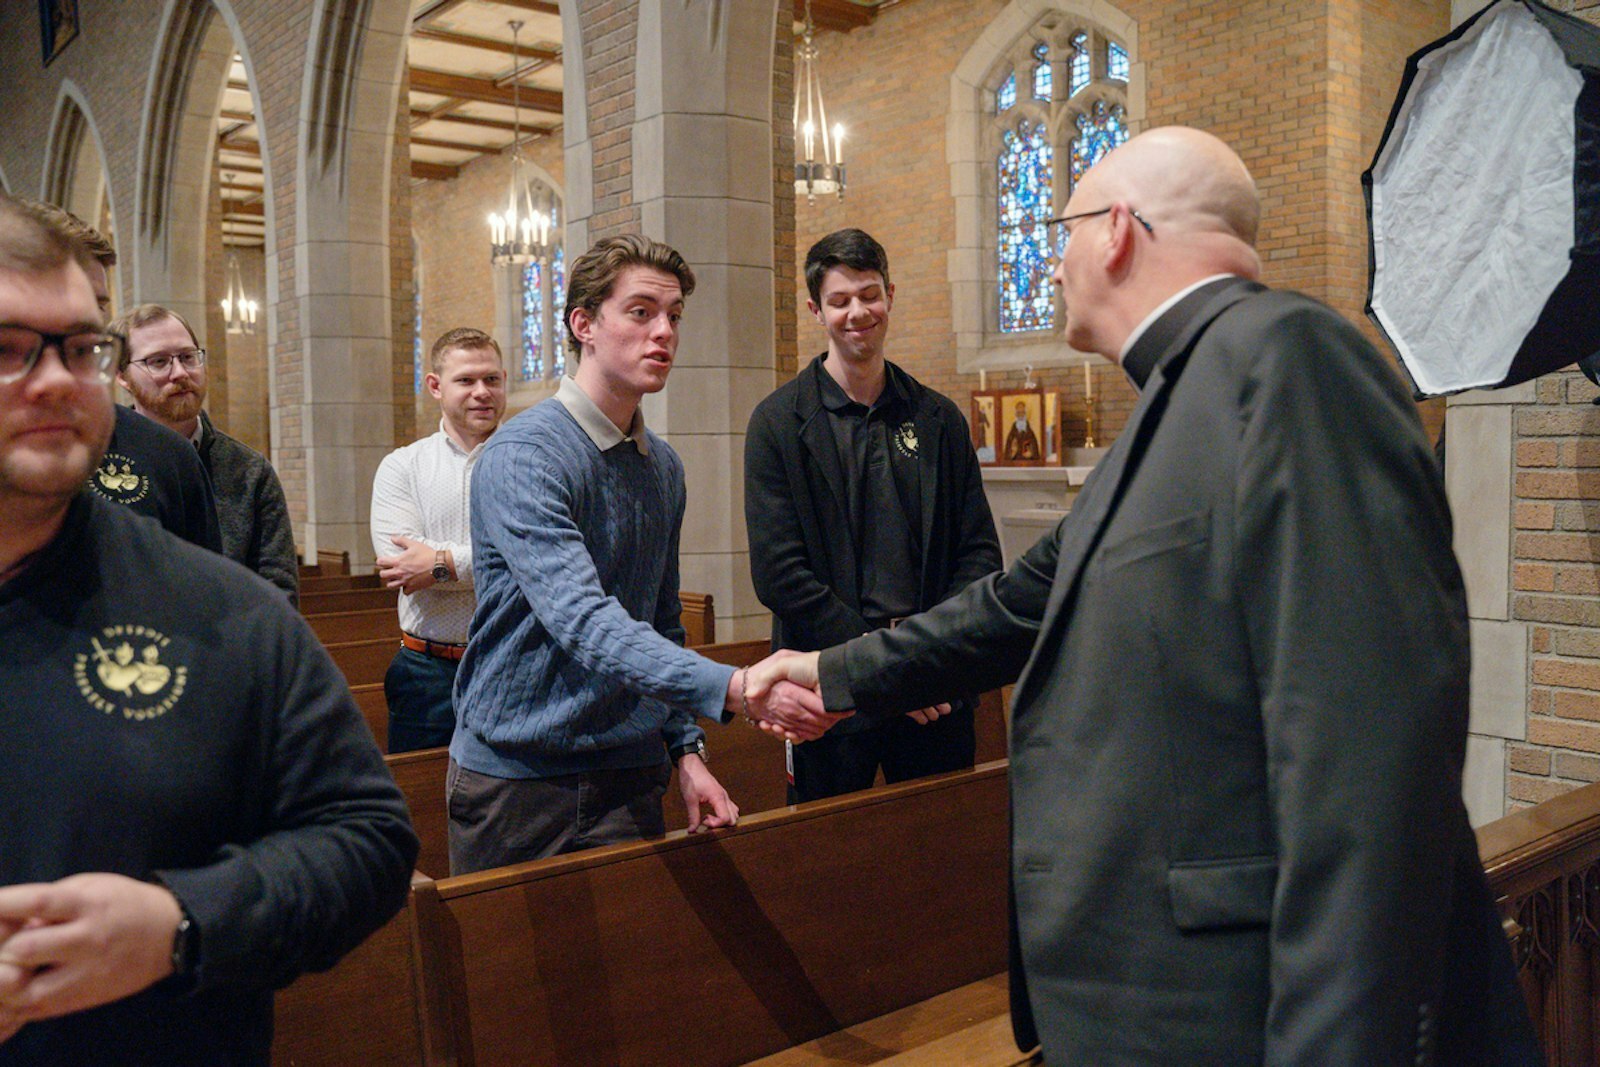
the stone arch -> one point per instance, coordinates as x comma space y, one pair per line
970, 91
177, 147
342, 299
72, 179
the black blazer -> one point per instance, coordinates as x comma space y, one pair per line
801, 556
1237, 739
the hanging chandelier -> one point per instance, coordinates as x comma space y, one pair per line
814, 175
239, 312
522, 234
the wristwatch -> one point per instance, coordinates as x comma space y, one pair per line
441, 573
185, 945
697, 746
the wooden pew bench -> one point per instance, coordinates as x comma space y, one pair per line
331, 582
349, 600
335, 627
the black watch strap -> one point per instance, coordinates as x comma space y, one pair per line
697, 746
185, 945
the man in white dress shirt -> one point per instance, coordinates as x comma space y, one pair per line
420, 502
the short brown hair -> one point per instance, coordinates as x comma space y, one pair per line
144, 315
593, 274
28, 245
75, 230
469, 337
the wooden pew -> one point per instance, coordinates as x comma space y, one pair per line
370, 1009
718, 949
364, 662
1543, 866
375, 710
331, 562
348, 600
699, 619
420, 776
332, 582
335, 627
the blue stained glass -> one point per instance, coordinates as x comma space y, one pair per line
1116, 62
1100, 130
558, 297
416, 344
1006, 98
532, 322
1026, 179
1041, 73
1080, 63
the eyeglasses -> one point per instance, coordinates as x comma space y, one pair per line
89, 355
160, 366
1091, 214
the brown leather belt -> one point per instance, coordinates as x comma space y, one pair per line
432, 648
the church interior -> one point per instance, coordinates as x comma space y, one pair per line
322, 186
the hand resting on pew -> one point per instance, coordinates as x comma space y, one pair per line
698, 786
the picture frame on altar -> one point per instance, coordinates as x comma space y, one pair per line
1018, 427
1053, 451
985, 406
58, 26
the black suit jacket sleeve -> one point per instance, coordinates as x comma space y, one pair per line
1354, 612
783, 573
977, 640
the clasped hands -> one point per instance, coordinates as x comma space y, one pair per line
782, 695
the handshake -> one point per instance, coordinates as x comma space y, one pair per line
783, 696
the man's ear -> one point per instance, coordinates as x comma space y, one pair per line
581, 324
888, 301
816, 312
1119, 240
435, 386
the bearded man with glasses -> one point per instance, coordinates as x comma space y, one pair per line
164, 368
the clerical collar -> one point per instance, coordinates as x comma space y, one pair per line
1139, 359
601, 430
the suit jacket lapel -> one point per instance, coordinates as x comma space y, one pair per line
1097, 501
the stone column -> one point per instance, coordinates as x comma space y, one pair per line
702, 182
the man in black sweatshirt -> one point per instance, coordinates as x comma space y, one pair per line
193, 812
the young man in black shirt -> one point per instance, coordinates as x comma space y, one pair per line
864, 504
193, 811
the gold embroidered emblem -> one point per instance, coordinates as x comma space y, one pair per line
122, 674
116, 481
905, 438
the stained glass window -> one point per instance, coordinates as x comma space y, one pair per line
1041, 72
533, 322
416, 351
558, 317
1027, 177
1116, 62
1080, 63
1006, 98
1103, 128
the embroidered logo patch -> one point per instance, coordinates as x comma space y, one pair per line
117, 482
122, 673
905, 438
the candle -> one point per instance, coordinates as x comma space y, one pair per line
1088, 383
983, 379
838, 145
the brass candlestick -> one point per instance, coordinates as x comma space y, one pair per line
1088, 423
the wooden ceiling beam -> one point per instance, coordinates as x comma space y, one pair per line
434, 171
538, 7
840, 15
456, 146
419, 117
252, 210
487, 44
483, 90
434, 10
230, 144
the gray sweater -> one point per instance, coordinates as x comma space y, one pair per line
251, 509
575, 660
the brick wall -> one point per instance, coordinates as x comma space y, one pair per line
786, 335
1301, 89
610, 38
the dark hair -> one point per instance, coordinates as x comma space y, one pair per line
144, 315
851, 248
468, 337
28, 244
593, 274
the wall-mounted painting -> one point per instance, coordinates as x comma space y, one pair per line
58, 26
983, 427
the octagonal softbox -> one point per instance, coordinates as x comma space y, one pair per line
1483, 203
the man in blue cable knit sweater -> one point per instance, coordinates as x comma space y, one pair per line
575, 688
